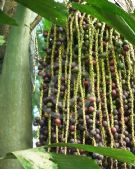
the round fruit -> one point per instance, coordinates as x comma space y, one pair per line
72, 128
86, 83
112, 62
114, 93
91, 109
92, 99
57, 122
126, 47
113, 130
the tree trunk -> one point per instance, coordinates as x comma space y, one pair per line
15, 91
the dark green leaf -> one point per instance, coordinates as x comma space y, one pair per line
54, 11
111, 14
37, 158
5, 19
74, 162
118, 154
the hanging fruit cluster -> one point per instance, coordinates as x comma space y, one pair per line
88, 88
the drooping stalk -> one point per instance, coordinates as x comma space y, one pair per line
59, 86
76, 87
53, 50
69, 80
119, 87
104, 86
91, 71
80, 40
98, 87
131, 96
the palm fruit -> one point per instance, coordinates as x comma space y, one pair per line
88, 88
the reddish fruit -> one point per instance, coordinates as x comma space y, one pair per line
57, 122
92, 99
126, 47
72, 128
113, 85
113, 74
113, 130
112, 62
86, 83
82, 151
91, 109
112, 68
114, 93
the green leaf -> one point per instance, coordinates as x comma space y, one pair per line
5, 19
53, 11
2, 40
74, 162
47, 24
37, 158
109, 13
118, 154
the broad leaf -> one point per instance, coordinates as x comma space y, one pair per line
118, 154
5, 19
111, 14
37, 158
54, 11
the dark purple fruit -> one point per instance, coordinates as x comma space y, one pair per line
112, 68
126, 48
90, 121
38, 144
86, 83
45, 34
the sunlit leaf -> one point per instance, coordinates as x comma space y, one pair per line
2, 40
54, 11
47, 24
37, 158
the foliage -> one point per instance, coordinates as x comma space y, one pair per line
37, 158
118, 154
4, 19
54, 11
111, 14
2, 40
46, 24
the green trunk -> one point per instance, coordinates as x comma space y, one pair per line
15, 91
